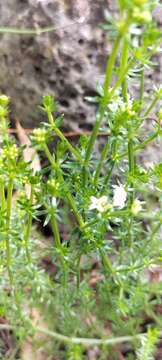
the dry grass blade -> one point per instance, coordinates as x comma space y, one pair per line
30, 155
28, 350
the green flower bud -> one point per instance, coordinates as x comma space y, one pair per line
136, 207
3, 111
140, 2
10, 152
49, 103
4, 100
122, 26
142, 16
39, 135
159, 93
160, 114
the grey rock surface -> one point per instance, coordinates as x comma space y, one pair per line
67, 62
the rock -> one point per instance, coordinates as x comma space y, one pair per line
67, 62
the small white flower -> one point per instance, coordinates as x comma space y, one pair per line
54, 202
136, 207
100, 204
120, 196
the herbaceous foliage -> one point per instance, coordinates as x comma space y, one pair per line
108, 204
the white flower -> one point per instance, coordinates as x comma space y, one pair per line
136, 207
120, 196
54, 202
118, 104
100, 204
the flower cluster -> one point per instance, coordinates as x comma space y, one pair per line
39, 135
10, 152
102, 203
117, 104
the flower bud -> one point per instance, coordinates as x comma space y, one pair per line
136, 207
39, 135
142, 16
140, 2
3, 111
4, 100
160, 114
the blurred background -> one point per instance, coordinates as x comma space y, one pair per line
67, 62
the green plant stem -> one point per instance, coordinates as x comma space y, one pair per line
30, 31
2, 196
56, 232
109, 68
155, 230
57, 239
77, 340
28, 227
89, 341
68, 195
59, 133
101, 162
101, 112
142, 88
131, 161
106, 262
153, 103
122, 76
8, 219
78, 270
123, 65
111, 163
140, 146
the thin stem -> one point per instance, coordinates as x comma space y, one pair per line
123, 65
101, 112
68, 195
106, 262
28, 227
77, 340
111, 164
140, 146
109, 68
74, 208
2, 196
142, 88
101, 162
49, 157
78, 270
122, 76
8, 219
38, 31
59, 133
153, 103
56, 233
131, 160
155, 230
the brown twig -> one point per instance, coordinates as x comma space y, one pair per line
67, 134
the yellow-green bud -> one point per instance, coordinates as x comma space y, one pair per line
53, 184
140, 2
160, 114
136, 207
4, 100
3, 111
39, 135
122, 26
142, 16
13, 152
10, 153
